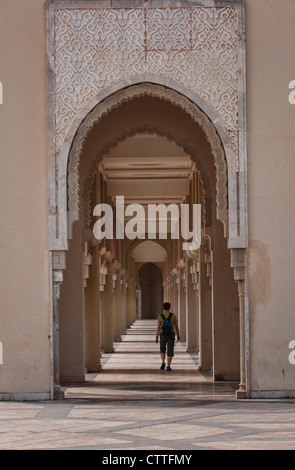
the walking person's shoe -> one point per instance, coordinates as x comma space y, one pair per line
162, 366
168, 368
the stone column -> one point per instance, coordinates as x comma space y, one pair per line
205, 317
226, 329
165, 290
72, 320
238, 263
58, 265
192, 311
92, 315
241, 393
170, 291
58, 394
107, 312
123, 301
133, 302
117, 304
131, 293
175, 291
181, 305
129, 320
139, 302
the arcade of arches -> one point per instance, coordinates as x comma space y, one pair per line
149, 151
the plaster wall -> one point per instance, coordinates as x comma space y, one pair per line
271, 169
24, 256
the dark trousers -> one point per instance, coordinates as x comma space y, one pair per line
167, 342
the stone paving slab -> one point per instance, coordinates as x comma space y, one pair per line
129, 408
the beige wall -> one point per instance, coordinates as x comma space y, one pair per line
24, 288
271, 131
24, 285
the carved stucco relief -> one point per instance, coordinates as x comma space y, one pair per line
197, 47
193, 56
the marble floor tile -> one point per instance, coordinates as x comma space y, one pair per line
163, 432
246, 445
132, 405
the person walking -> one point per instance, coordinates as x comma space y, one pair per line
167, 326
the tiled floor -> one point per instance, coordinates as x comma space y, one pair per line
132, 405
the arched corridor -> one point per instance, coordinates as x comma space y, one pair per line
132, 373
145, 164
149, 279
131, 120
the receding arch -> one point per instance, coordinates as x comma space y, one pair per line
158, 80
230, 185
165, 94
163, 243
146, 128
233, 209
197, 119
231, 203
149, 251
66, 173
151, 281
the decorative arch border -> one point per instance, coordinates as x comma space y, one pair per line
164, 94
235, 216
231, 184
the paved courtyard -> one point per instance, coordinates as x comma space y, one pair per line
132, 405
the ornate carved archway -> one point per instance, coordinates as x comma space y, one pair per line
209, 87
202, 71
230, 184
164, 94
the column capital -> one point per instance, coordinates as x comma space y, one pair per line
87, 264
237, 257
58, 267
238, 263
59, 260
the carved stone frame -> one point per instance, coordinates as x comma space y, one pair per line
63, 177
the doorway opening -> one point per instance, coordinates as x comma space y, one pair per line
150, 286
150, 148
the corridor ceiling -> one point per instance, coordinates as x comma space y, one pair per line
147, 168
